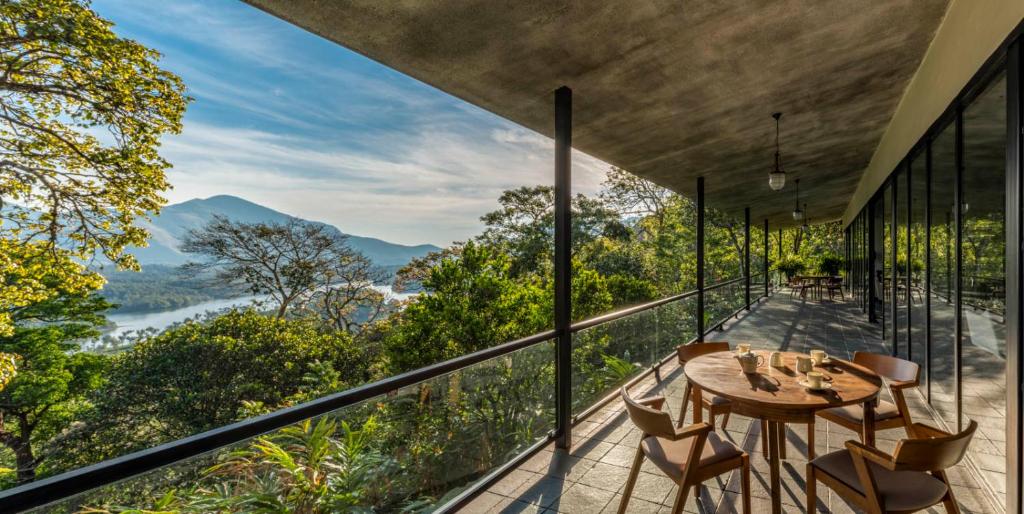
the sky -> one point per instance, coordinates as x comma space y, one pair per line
289, 120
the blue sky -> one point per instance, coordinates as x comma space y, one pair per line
286, 119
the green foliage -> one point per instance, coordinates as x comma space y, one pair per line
83, 114
202, 375
473, 303
158, 288
791, 265
53, 379
831, 264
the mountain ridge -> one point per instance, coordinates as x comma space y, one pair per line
169, 227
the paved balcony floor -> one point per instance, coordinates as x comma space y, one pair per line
589, 477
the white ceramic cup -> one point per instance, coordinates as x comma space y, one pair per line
819, 356
775, 360
814, 379
804, 363
742, 348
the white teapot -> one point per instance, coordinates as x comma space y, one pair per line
750, 361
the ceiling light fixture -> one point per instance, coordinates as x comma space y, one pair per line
798, 215
777, 177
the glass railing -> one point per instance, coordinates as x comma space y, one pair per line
609, 355
409, 442
723, 300
411, 448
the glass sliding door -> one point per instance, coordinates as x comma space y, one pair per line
983, 340
918, 257
898, 292
943, 260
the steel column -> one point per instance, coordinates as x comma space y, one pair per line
910, 267
766, 248
700, 259
746, 253
563, 265
1014, 273
870, 264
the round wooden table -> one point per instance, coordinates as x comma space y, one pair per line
774, 395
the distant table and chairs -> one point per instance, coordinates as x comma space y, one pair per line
780, 388
817, 285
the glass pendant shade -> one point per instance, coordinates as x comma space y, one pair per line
777, 180
798, 215
777, 177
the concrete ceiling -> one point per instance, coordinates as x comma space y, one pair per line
669, 90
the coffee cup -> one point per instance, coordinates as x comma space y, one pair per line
742, 348
775, 359
804, 363
814, 379
819, 356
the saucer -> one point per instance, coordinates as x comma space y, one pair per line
825, 362
824, 386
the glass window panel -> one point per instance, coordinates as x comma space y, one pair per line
983, 342
899, 273
918, 255
943, 233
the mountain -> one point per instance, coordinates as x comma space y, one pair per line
167, 230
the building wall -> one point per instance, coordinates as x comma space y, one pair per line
971, 32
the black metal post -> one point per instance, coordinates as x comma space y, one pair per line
563, 265
766, 248
958, 215
1014, 272
746, 253
700, 259
893, 307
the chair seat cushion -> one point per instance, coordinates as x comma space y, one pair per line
855, 413
670, 456
900, 490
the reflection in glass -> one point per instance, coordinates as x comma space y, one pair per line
918, 255
943, 233
899, 272
983, 342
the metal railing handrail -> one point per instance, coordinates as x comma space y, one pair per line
74, 482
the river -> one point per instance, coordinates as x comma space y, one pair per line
131, 321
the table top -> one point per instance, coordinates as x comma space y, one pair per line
776, 390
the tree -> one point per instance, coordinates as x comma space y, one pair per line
81, 115
346, 298
290, 262
53, 378
634, 196
473, 303
203, 375
524, 226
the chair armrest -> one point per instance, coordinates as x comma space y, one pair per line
872, 454
922, 431
693, 430
654, 402
903, 384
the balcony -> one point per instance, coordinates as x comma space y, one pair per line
589, 476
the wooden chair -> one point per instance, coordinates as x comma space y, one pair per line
835, 285
689, 456
795, 284
900, 374
714, 404
912, 479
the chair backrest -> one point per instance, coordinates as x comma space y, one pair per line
650, 421
892, 368
688, 352
933, 453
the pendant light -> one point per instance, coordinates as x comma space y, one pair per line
777, 177
798, 215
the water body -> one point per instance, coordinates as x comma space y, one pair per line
160, 320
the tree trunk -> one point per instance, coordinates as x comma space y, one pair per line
21, 446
